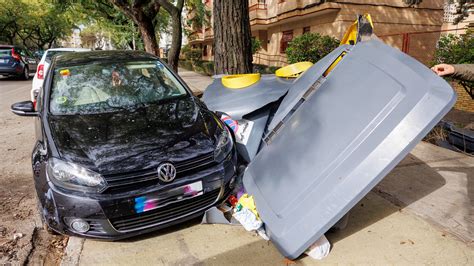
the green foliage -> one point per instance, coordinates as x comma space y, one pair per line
186, 64
201, 18
193, 54
208, 68
33, 24
110, 21
101, 18
454, 49
185, 49
256, 45
264, 69
310, 47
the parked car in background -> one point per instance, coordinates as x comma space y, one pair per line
43, 66
123, 147
16, 62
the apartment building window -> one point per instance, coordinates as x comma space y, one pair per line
285, 39
306, 30
204, 50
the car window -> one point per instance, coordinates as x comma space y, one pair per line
97, 88
5, 51
51, 54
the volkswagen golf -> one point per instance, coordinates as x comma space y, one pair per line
123, 147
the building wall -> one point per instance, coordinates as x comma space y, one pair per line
392, 20
334, 19
464, 101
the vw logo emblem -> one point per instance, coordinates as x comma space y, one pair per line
166, 172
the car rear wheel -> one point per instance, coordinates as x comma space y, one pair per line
26, 73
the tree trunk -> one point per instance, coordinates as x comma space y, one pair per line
177, 30
142, 16
176, 38
147, 31
232, 37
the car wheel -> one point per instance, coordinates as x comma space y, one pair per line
26, 73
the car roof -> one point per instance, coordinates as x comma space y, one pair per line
8, 46
83, 58
68, 49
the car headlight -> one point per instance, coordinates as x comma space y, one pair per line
224, 145
74, 177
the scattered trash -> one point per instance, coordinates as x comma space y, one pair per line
17, 236
233, 124
217, 216
261, 232
287, 261
247, 219
232, 200
241, 192
319, 249
246, 213
342, 223
247, 202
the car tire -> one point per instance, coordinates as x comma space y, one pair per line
26, 73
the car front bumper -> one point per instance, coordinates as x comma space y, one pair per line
115, 216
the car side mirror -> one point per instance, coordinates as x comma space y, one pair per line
25, 108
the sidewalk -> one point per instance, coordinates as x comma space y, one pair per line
195, 81
421, 213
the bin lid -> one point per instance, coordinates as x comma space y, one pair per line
334, 138
239, 102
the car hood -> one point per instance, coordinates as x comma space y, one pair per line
137, 139
335, 136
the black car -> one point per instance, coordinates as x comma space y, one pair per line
123, 147
16, 61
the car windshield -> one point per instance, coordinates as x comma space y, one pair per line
99, 88
50, 54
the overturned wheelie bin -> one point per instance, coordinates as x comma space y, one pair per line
322, 141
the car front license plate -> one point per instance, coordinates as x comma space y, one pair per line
156, 200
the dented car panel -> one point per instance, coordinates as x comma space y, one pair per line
334, 138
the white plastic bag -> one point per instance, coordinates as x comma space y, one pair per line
248, 219
319, 249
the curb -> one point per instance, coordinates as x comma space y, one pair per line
73, 251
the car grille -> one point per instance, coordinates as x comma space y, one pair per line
96, 228
167, 213
122, 182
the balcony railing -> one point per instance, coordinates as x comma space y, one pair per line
195, 36
257, 10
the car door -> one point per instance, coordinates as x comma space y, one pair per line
31, 61
337, 134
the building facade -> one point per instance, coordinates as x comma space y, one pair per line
458, 16
400, 23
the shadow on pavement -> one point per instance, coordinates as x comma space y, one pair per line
368, 211
168, 230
